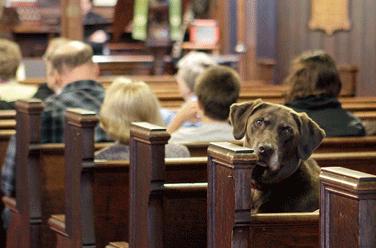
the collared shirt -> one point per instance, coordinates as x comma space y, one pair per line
81, 94
84, 94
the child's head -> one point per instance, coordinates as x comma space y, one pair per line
216, 89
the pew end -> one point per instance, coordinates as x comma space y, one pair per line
229, 194
348, 208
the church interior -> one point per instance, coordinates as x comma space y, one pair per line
187, 123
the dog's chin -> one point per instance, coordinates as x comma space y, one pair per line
262, 175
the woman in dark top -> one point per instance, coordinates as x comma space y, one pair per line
314, 87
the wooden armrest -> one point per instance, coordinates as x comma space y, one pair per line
57, 223
117, 245
9, 202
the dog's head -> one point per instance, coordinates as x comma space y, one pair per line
281, 137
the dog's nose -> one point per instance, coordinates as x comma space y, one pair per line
265, 149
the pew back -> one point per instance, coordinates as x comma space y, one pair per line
347, 218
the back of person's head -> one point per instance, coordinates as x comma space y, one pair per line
216, 89
313, 73
53, 44
191, 66
10, 59
71, 55
127, 101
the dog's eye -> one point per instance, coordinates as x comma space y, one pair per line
287, 130
259, 122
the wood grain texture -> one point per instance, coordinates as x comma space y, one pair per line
353, 47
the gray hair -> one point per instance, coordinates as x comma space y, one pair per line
192, 65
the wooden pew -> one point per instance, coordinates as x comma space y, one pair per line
89, 189
151, 185
24, 227
347, 208
179, 199
40, 181
101, 196
8, 124
329, 145
204, 169
154, 218
348, 214
7, 114
167, 91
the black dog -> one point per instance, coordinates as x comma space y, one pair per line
285, 179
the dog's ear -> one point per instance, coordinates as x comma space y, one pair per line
239, 113
311, 136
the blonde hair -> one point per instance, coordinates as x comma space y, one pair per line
10, 59
127, 101
71, 55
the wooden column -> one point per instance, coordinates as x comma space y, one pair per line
220, 10
25, 226
146, 182
229, 194
79, 155
348, 208
71, 19
246, 38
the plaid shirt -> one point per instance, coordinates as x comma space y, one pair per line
81, 94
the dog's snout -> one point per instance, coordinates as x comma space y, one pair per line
265, 149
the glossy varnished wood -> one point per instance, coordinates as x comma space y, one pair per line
348, 208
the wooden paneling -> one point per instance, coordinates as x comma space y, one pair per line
355, 47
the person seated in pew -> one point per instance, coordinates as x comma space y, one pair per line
51, 87
10, 89
189, 68
314, 87
126, 102
74, 70
216, 89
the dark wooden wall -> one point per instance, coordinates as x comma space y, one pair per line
358, 46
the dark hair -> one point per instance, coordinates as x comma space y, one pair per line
313, 73
217, 88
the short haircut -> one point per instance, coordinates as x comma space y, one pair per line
127, 101
53, 44
313, 73
10, 59
71, 55
192, 65
217, 88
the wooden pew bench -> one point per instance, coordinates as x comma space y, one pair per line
96, 196
179, 172
151, 192
347, 208
329, 145
39, 179
7, 114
